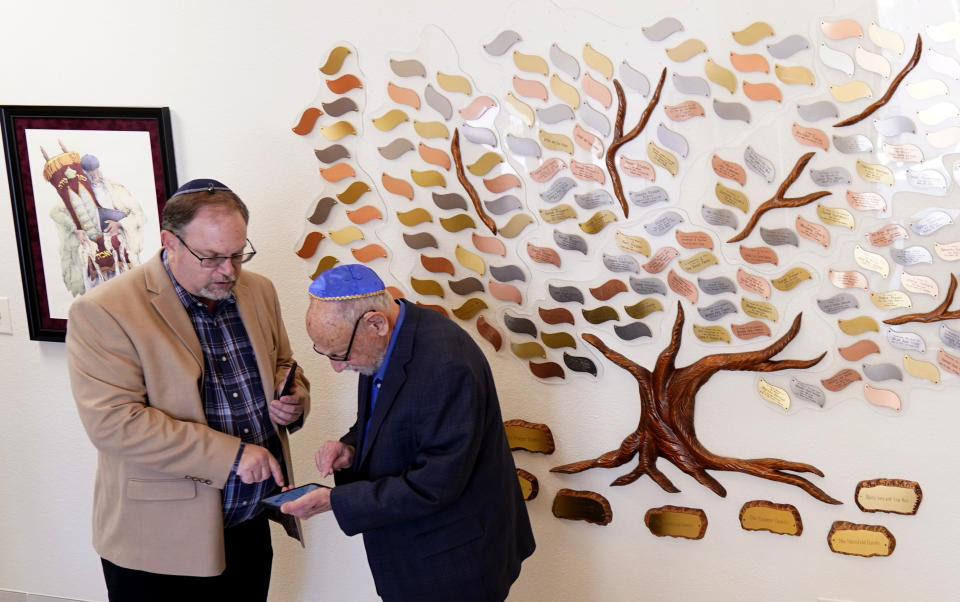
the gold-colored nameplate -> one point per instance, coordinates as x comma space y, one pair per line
860, 540
529, 436
889, 495
762, 515
675, 521
529, 485
582, 505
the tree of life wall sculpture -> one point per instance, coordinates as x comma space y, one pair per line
668, 397
557, 204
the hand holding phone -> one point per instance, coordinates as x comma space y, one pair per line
275, 501
288, 382
289, 411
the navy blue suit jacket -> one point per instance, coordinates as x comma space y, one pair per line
434, 488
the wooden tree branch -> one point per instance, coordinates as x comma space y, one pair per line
462, 177
938, 314
778, 200
639, 372
917, 49
619, 139
752, 361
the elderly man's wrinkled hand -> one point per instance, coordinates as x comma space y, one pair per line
308, 504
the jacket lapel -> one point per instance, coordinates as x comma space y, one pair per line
169, 307
393, 379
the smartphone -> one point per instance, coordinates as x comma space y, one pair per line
275, 501
288, 383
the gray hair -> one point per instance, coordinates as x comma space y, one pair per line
351, 310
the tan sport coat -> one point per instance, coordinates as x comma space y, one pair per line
136, 370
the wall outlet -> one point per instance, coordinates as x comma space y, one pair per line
6, 327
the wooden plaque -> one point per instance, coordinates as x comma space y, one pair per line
529, 484
582, 505
529, 436
762, 515
860, 540
675, 521
889, 495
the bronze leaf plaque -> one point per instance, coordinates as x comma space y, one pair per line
676, 521
762, 515
529, 436
889, 495
860, 540
582, 505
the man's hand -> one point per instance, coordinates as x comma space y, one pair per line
258, 464
333, 455
308, 504
288, 408
113, 228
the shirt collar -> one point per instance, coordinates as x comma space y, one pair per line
378, 377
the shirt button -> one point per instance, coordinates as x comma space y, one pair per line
235, 395
245, 431
223, 358
243, 503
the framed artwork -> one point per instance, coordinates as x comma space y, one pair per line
88, 185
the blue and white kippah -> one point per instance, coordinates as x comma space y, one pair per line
344, 282
200, 185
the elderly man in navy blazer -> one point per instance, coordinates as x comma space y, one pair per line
425, 473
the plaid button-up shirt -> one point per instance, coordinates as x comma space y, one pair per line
233, 399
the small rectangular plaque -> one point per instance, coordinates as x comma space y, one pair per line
674, 521
762, 515
529, 436
587, 506
889, 495
529, 484
860, 540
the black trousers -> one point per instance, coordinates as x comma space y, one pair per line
249, 557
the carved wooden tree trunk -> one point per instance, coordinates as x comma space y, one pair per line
668, 398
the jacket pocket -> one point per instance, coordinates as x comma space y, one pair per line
448, 537
160, 490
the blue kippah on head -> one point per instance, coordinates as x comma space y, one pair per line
344, 282
200, 185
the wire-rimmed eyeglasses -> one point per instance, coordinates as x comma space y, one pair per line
212, 263
342, 357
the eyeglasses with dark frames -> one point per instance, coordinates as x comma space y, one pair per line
212, 263
342, 357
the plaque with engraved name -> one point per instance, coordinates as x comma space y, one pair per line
889, 495
676, 521
529, 436
587, 506
860, 540
529, 485
762, 515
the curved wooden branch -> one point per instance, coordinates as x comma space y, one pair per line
938, 314
639, 372
749, 361
462, 177
778, 201
619, 139
667, 358
917, 49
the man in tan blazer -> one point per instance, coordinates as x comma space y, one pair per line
176, 368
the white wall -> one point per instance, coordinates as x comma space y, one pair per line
236, 76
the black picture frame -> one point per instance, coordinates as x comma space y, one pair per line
43, 147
